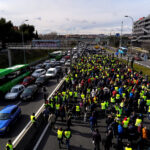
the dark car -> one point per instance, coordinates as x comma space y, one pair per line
57, 63
8, 116
39, 66
47, 66
41, 80
29, 92
28, 80
59, 69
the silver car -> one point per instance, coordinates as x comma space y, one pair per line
37, 73
15, 92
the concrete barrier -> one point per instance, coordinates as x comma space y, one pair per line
28, 136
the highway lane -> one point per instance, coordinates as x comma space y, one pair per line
27, 109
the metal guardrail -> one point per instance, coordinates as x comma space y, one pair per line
40, 110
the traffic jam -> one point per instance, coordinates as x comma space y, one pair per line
23, 82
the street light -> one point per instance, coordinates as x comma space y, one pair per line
24, 53
132, 27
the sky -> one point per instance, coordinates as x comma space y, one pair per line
75, 16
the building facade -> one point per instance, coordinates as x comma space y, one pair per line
141, 32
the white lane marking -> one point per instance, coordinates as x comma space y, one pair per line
18, 103
23, 132
41, 137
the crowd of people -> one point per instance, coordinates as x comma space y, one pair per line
102, 87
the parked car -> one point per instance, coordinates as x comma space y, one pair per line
59, 69
39, 66
29, 92
51, 73
37, 73
137, 58
62, 61
41, 80
57, 63
8, 116
28, 80
67, 63
75, 56
15, 92
53, 60
47, 66
67, 57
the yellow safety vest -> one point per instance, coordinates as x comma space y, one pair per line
103, 106
70, 93
82, 96
125, 124
122, 104
75, 94
77, 108
148, 102
123, 95
148, 108
128, 148
138, 122
67, 134
116, 88
32, 118
57, 106
10, 146
59, 134
112, 100
117, 96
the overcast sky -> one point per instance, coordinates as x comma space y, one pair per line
75, 16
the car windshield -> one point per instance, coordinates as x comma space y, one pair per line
26, 80
50, 72
28, 90
4, 116
14, 90
40, 79
38, 71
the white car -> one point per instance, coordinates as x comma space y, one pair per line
67, 62
15, 92
53, 61
51, 73
37, 73
75, 56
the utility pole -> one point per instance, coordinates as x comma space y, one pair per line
121, 34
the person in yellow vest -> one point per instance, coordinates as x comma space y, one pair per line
57, 110
32, 118
138, 122
77, 110
128, 147
60, 136
9, 145
67, 135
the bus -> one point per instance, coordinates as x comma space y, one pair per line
12, 76
56, 55
122, 50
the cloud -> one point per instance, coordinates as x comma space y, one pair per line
75, 16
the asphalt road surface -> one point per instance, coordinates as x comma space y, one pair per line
27, 109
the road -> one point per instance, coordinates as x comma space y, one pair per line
27, 109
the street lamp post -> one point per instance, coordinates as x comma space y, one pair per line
132, 28
24, 53
121, 34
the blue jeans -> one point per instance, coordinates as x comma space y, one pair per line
67, 143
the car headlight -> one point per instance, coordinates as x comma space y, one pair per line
4, 128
